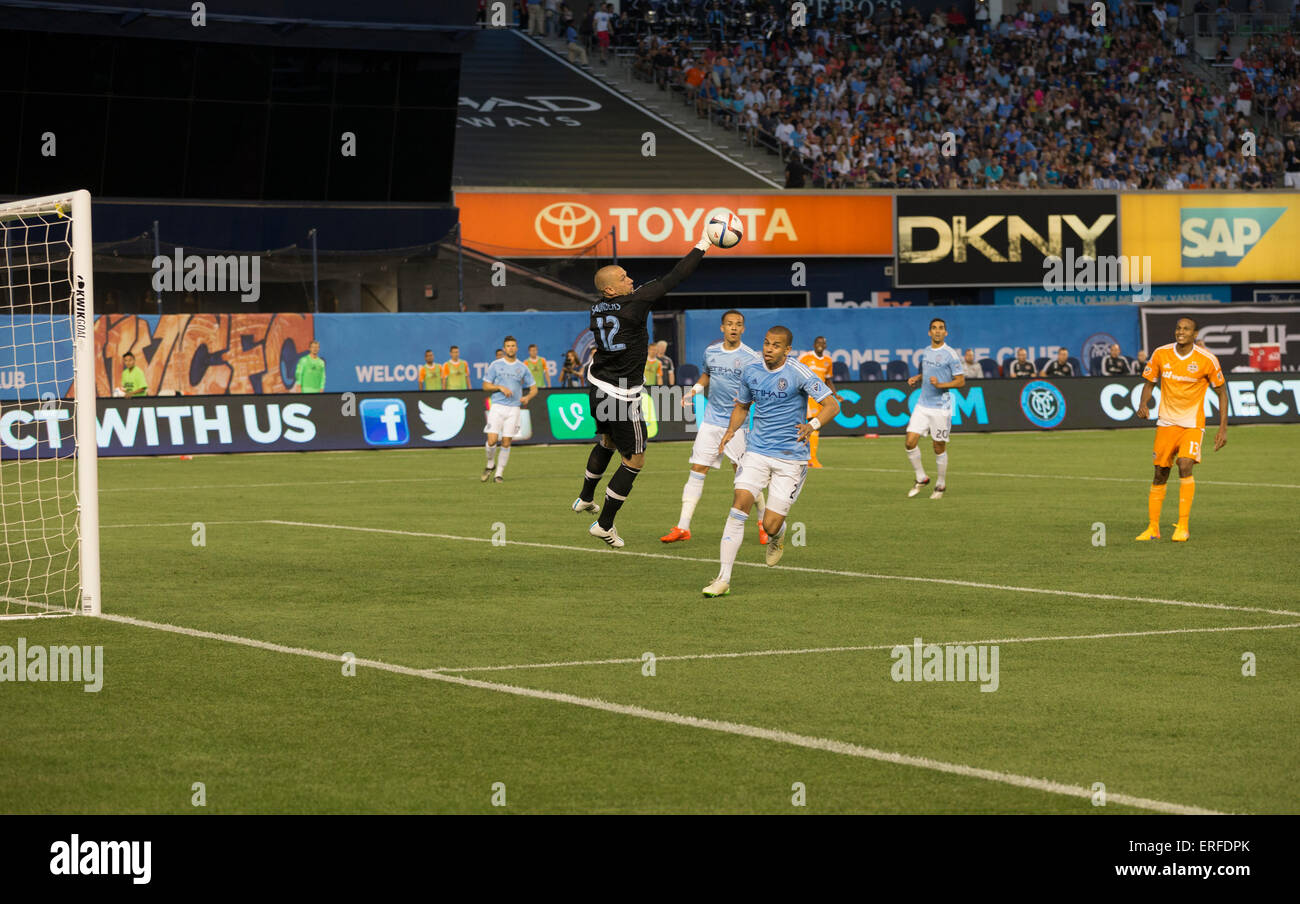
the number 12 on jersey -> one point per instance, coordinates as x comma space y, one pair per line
606, 339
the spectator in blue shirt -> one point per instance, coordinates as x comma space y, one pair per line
577, 53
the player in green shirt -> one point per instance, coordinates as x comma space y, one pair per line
654, 371
133, 381
430, 375
310, 373
455, 373
537, 367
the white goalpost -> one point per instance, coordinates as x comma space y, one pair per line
49, 486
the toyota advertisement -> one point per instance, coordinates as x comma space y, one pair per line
558, 224
425, 420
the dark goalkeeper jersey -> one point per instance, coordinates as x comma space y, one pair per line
618, 327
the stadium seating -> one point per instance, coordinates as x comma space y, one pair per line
870, 370
860, 99
990, 368
1078, 368
839, 372
1094, 365
687, 375
897, 370
1040, 363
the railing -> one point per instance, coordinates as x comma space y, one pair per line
1241, 23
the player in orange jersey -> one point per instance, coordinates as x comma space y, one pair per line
820, 364
1184, 370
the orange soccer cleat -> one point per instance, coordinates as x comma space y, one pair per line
762, 536
674, 535
1151, 533
1180, 533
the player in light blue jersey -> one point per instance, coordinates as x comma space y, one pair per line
778, 389
506, 378
723, 363
941, 370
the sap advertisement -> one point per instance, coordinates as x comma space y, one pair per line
1223, 237
855, 337
430, 420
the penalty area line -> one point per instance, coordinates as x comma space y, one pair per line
979, 585
739, 729
1146, 480
745, 654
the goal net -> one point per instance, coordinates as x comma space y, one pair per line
49, 509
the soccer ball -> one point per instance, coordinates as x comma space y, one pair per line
724, 229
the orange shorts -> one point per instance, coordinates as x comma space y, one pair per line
1177, 442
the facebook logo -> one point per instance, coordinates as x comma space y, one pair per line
383, 421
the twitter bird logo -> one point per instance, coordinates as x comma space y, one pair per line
443, 423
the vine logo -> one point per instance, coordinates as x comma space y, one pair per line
570, 415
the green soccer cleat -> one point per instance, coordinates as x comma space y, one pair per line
719, 587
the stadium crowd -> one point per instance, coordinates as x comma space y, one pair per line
1041, 100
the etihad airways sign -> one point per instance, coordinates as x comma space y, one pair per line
560, 224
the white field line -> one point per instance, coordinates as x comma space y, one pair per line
1222, 483
294, 483
733, 728
458, 477
184, 524
794, 568
857, 649
51, 611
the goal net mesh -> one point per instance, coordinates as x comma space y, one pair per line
39, 525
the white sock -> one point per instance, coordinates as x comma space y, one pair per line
732, 537
760, 506
942, 460
915, 456
691, 494
491, 454
502, 459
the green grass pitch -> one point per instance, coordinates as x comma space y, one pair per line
1161, 717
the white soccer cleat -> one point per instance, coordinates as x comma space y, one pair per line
611, 537
719, 587
917, 487
487, 473
938, 492
775, 548
580, 506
